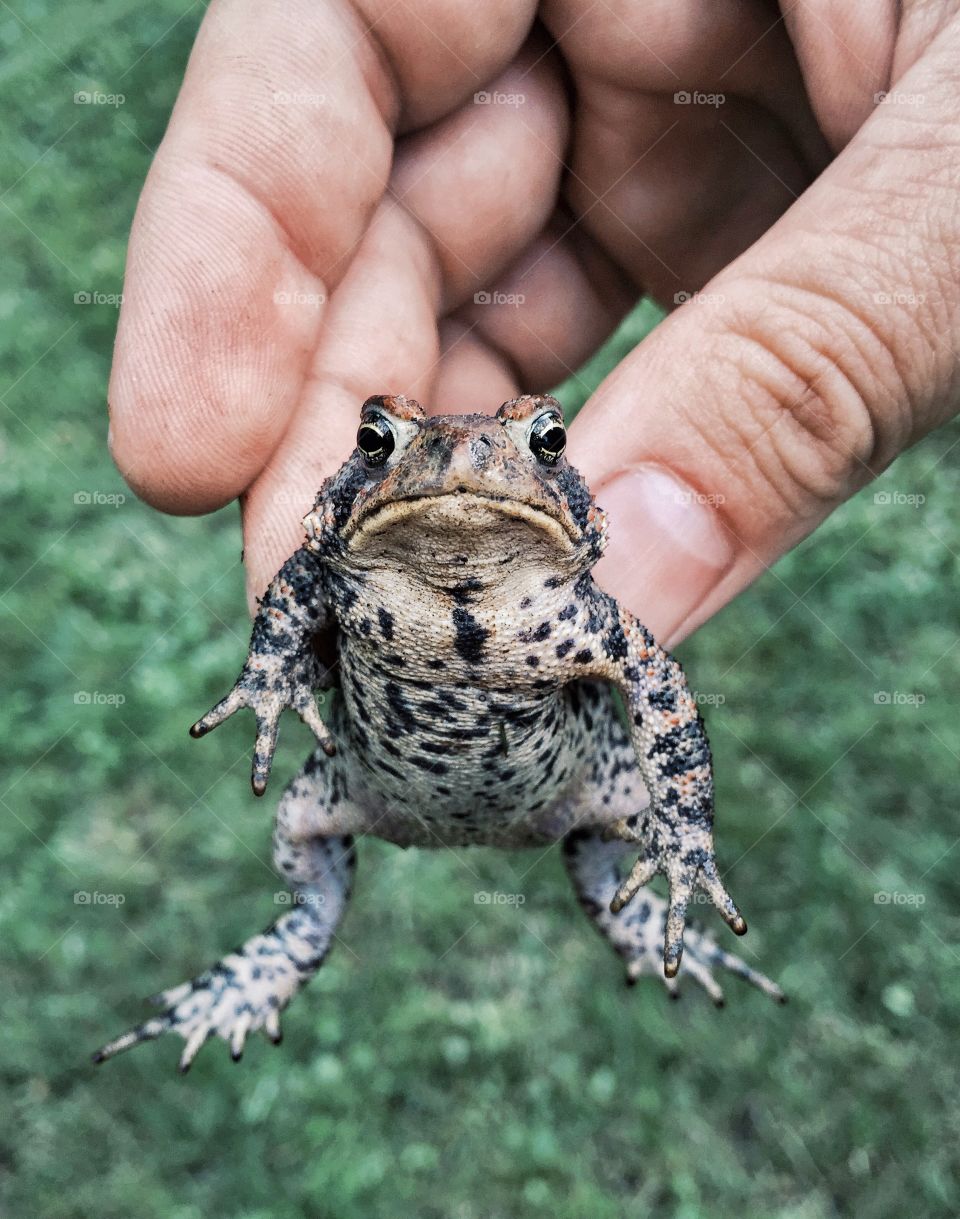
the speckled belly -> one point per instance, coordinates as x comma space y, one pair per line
454, 764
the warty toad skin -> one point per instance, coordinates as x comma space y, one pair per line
444, 589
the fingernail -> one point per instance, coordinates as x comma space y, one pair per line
666, 547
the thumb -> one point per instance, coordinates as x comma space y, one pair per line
795, 377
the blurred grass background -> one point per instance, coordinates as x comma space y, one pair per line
452, 1059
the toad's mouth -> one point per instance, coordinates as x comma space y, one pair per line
453, 509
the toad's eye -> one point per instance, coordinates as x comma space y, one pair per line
548, 439
375, 440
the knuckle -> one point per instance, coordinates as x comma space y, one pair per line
826, 405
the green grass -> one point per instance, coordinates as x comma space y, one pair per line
452, 1060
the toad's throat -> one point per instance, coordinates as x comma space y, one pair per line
457, 506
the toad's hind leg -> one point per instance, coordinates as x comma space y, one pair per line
248, 989
637, 931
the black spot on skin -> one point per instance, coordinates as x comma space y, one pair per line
533, 661
537, 634
343, 595
564, 648
470, 635
583, 657
525, 603
664, 699
399, 705
431, 764
615, 641
394, 661
553, 582
448, 698
436, 663
386, 623
366, 626
440, 451
568, 613
345, 490
463, 593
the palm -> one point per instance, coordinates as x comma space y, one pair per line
282, 268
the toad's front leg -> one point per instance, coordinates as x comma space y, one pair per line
282, 667
676, 833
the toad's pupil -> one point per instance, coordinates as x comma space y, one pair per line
375, 441
548, 441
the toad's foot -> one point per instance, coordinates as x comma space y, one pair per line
263, 688
688, 862
638, 932
244, 992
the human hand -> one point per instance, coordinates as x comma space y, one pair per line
334, 190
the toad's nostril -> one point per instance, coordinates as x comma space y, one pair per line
481, 449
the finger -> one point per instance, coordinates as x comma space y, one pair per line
380, 331
195, 1043
216, 715
271, 1026
673, 931
275, 158
310, 714
701, 974
557, 302
239, 1035
267, 730
471, 373
808, 365
483, 181
658, 171
719, 956
710, 879
150, 1030
642, 872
